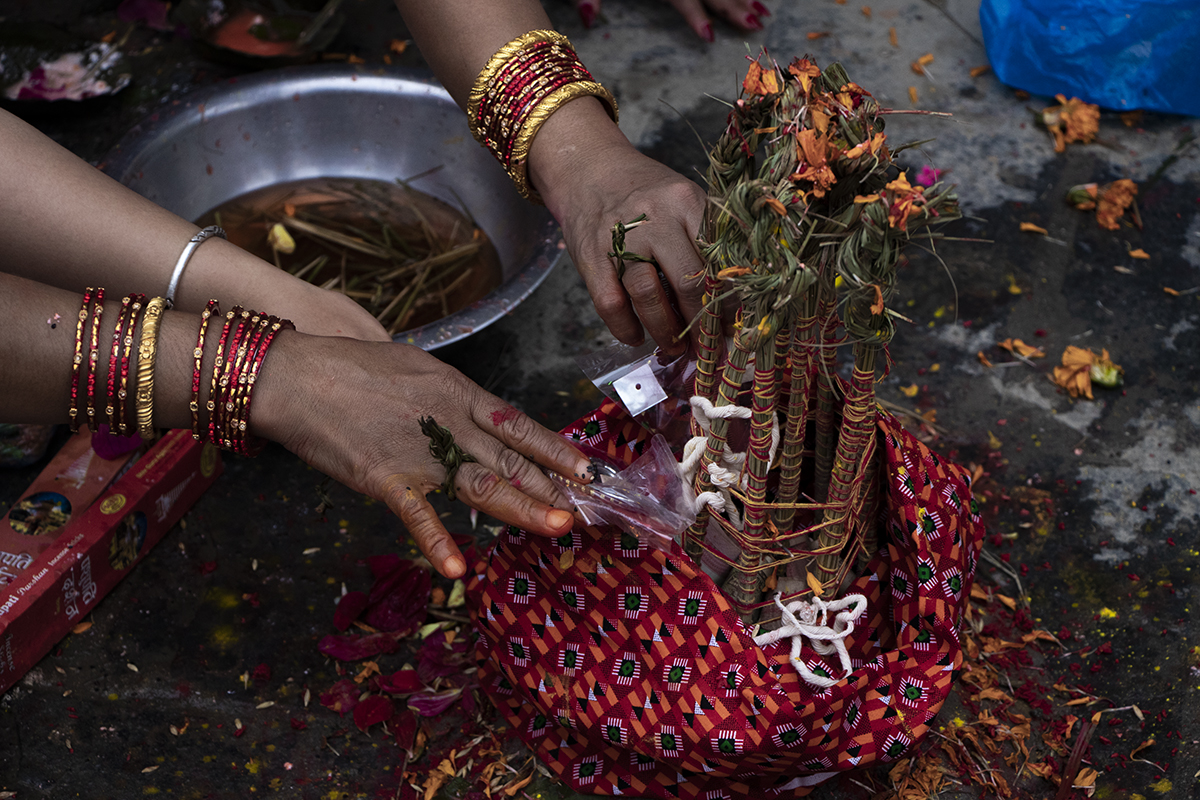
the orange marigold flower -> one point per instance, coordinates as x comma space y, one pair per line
1114, 199
805, 71
1071, 121
760, 81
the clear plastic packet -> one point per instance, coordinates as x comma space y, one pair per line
648, 499
654, 390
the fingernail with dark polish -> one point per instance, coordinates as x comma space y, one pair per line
707, 33
760, 9
753, 23
587, 13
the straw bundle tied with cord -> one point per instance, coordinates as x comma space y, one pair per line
806, 220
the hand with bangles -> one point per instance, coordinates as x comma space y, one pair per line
745, 15
553, 127
350, 408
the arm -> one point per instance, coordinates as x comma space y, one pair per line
587, 172
66, 223
349, 408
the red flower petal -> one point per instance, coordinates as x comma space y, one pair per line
348, 609
373, 710
354, 648
341, 697
404, 681
430, 704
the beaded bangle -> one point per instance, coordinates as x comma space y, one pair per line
114, 360
233, 396
525, 82
211, 405
93, 357
236, 345
137, 306
246, 444
213, 308
147, 350
73, 411
233, 366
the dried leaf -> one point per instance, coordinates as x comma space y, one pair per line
910, 391
517, 786
83, 627
814, 583
912, 95
1020, 348
982, 69
458, 594
994, 442
1081, 701
1141, 747
1029, 227
1139, 253
994, 693
1086, 778
818, 35
1007, 601
437, 778
733, 272
983, 359
894, 40
1170, 291
398, 46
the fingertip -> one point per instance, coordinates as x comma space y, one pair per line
454, 567
559, 520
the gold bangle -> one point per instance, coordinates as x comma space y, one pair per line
147, 350
518, 165
514, 48
518, 123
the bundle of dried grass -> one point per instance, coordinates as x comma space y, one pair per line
807, 217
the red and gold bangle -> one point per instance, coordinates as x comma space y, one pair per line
227, 354
137, 306
236, 402
211, 405
210, 310
93, 357
233, 365
73, 411
525, 82
114, 361
246, 444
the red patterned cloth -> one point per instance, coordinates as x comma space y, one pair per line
628, 672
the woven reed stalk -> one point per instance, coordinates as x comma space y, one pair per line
807, 214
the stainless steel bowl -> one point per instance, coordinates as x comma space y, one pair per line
337, 121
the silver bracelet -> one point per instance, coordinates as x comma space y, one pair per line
185, 256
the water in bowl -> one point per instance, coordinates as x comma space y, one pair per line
407, 257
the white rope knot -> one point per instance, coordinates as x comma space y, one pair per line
811, 619
730, 472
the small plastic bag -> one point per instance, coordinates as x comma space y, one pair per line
648, 499
653, 390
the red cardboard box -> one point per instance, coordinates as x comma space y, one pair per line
96, 548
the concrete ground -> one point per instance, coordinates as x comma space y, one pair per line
1091, 505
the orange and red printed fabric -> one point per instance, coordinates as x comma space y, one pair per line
628, 672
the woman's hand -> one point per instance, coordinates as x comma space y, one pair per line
592, 178
741, 14
352, 410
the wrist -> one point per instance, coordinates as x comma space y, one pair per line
575, 140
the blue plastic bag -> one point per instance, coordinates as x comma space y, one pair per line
1121, 54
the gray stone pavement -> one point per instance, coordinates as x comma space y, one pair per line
1091, 505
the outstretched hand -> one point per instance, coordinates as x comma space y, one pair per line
742, 14
353, 409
